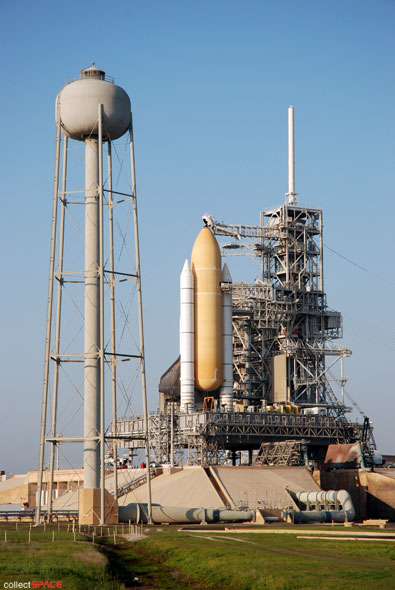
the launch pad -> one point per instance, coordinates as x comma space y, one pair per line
215, 438
284, 355
278, 404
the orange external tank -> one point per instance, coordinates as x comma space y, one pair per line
207, 273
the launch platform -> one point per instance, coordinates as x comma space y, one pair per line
213, 438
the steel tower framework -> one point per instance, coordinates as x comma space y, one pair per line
117, 275
283, 330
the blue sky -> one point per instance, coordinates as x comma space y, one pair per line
210, 84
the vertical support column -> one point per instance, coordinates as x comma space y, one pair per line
101, 317
226, 391
323, 301
92, 319
112, 304
57, 334
321, 256
140, 305
291, 195
171, 434
264, 271
49, 326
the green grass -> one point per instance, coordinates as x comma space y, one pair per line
127, 562
168, 559
79, 565
272, 562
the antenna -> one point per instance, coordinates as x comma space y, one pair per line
291, 194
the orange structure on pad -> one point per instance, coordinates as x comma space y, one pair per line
207, 273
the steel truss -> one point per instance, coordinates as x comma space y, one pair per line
284, 313
207, 437
288, 452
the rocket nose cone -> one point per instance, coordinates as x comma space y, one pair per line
226, 276
187, 266
205, 251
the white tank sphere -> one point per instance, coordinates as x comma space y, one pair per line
77, 107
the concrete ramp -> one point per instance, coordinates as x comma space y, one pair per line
187, 487
211, 487
263, 486
227, 486
13, 489
388, 472
380, 493
68, 500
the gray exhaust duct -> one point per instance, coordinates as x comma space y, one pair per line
330, 506
137, 513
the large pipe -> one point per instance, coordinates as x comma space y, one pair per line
178, 514
187, 352
327, 506
92, 316
226, 391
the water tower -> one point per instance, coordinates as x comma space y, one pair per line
91, 112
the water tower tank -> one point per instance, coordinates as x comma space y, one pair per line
77, 106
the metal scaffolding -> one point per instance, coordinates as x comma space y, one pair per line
212, 438
282, 327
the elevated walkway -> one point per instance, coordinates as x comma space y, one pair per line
134, 483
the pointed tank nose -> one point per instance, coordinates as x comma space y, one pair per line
207, 272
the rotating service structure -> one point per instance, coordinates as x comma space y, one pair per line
91, 112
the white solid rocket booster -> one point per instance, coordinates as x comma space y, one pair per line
226, 391
187, 335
